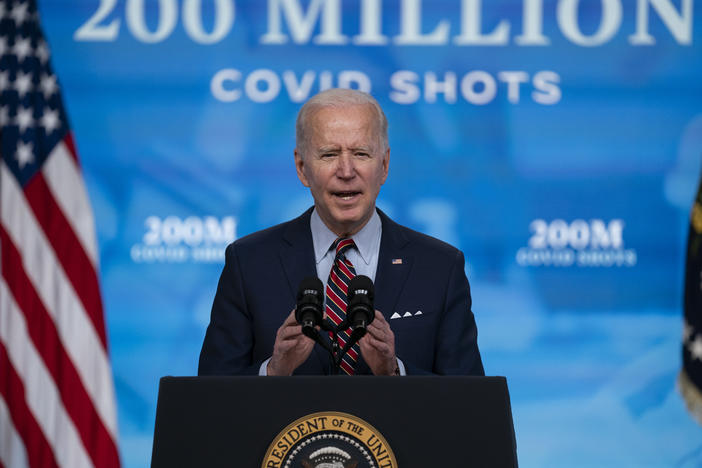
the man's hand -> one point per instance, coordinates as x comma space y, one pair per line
291, 348
378, 347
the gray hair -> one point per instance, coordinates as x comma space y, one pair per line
338, 97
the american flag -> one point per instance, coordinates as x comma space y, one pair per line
57, 405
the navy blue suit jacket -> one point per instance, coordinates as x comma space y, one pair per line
259, 283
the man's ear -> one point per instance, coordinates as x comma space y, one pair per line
300, 166
386, 164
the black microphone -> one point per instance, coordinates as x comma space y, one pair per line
310, 299
360, 311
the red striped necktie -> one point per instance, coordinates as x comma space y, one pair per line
337, 289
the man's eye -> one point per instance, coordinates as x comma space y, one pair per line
362, 154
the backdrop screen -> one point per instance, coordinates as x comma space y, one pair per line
557, 143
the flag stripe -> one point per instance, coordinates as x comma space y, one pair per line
78, 267
49, 281
71, 146
46, 341
40, 392
63, 177
14, 453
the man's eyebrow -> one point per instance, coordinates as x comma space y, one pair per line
328, 148
337, 148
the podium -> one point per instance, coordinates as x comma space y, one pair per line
422, 421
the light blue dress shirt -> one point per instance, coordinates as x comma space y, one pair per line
364, 257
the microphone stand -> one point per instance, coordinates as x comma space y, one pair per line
336, 367
356, 335
336, 354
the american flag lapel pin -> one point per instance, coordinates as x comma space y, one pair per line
397, 261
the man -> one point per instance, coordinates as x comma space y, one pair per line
343, 156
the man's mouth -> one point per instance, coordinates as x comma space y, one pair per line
347, 195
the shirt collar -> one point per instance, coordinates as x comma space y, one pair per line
365, 239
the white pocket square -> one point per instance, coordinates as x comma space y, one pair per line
405, 315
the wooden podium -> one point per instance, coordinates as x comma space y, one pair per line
432, 422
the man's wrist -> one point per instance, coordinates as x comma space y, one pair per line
394, 367
273, 370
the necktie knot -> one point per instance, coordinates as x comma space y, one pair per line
342, 245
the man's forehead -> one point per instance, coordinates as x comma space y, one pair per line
367, 110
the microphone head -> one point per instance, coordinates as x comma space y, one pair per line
310, 299
310, 285
360, 310
361, 284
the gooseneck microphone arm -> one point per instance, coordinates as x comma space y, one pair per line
359, 314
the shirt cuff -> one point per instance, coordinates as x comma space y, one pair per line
263, 370
401, 366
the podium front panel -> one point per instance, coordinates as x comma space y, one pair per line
427, 421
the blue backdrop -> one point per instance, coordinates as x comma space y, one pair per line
557, 143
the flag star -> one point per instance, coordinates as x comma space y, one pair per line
48, 85
687, 332
696, 348
24, 119
25, 154
22, 49
19, 13
50, 120
42, 52
4, 117
23, 83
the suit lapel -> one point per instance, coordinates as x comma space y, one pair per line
297, 260
394, 265
297, 252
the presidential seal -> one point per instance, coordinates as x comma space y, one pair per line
329, 440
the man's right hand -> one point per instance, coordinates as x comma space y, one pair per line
291, 348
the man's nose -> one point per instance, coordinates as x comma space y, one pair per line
345, 168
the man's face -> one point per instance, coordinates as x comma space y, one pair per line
344, 165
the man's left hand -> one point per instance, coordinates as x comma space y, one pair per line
378, 347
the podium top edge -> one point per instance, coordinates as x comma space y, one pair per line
171, 378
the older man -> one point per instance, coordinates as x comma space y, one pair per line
423, 322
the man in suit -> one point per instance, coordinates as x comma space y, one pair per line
423, 320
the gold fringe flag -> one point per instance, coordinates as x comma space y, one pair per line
690, 379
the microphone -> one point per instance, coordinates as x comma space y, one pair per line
310, 299
360, 311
